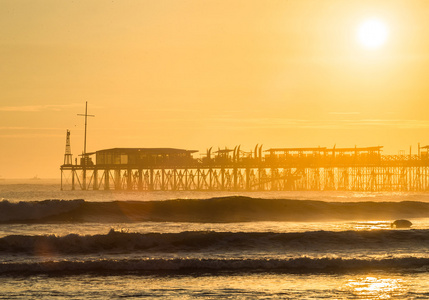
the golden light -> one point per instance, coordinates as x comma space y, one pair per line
372, 33
376, 287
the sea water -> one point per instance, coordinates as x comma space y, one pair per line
210, 245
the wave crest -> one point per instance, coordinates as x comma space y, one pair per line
223, 209
293, 265
203, 241
35, 210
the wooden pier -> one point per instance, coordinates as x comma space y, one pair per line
276, 169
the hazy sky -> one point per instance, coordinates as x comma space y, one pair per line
196, 74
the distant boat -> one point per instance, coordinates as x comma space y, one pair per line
35, 178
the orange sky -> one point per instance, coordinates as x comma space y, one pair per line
195, 74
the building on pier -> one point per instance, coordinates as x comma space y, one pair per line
144, 157
322, 156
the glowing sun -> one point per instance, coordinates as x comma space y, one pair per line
372, 33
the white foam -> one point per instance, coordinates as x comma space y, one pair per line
302, 264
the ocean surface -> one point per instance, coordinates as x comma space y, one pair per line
210, 245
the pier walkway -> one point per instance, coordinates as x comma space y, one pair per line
276, 169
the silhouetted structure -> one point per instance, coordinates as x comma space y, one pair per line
68, 158
276, 169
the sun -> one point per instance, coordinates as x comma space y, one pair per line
372, 33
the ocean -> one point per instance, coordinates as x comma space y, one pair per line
210, 245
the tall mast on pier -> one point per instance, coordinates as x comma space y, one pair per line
84, 156
86, 123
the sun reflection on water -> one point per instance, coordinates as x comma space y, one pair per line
372, 225
376, 287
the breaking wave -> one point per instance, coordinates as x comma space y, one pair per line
216, 242
293, 265
223, 209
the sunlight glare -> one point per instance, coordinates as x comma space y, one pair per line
372, 33
376, 287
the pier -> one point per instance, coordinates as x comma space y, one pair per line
231, 169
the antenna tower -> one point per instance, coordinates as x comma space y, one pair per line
85, 157
86, 122
68, 159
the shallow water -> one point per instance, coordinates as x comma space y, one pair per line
219, 286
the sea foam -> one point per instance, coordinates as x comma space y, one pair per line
217, 242
293, 265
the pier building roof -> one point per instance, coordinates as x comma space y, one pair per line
148, 150
324, 149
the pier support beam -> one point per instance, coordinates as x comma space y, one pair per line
106, 179
95, 184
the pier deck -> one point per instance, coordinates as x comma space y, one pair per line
276, 169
